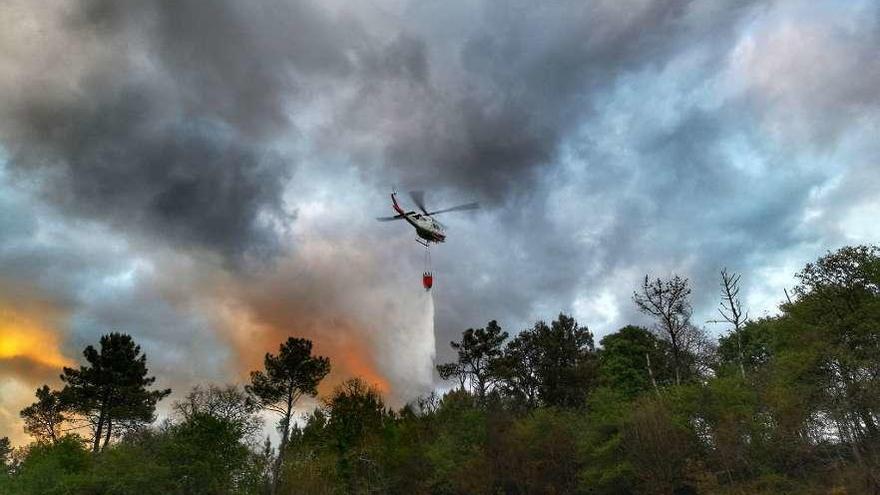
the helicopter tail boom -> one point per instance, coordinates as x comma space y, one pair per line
394, 204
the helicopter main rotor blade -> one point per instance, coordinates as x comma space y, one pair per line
468, 206
418, 198
388, 219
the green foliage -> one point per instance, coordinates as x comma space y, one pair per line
605, 467
828, 348
203, 454
5, 454
553, 365
134, 466
756, 342
540, 452
732, 425
50, 469
5, 461
632, 359
310, 472
659, 447
403, 451
214, 452
356, 417
517, 368
310, 462
458, 453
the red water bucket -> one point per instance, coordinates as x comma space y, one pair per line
427, 280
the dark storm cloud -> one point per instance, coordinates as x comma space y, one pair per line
173, 132
196, 183
531, 73
230, 61
240, 60
173, 123
168, 134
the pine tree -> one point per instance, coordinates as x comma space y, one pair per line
111, 391
288, 376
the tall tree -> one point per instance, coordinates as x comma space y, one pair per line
567, 365
553, 365
111, 391
478, 354
287, 377
732, 312
43, 419
668, 302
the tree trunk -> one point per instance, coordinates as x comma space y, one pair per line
52, 436
651, 373
109, 430
676, 364
742, 369
676, 361
99, 429
285, 437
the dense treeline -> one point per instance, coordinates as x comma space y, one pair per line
781, 404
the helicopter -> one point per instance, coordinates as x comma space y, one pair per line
428, 230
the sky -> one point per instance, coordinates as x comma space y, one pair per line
205, 176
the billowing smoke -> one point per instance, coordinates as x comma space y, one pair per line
328, 293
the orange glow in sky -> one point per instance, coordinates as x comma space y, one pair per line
340, 340
30, 355
22, 336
